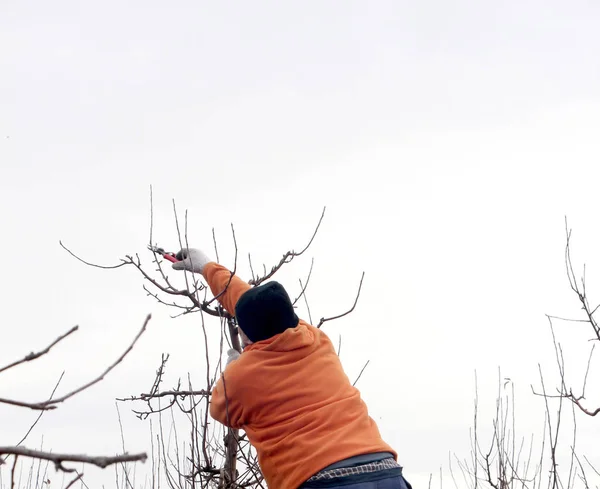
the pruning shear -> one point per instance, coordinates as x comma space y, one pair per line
165, 254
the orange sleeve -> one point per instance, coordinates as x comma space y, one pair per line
218, 278
223, 407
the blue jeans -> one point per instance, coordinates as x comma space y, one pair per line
397, 482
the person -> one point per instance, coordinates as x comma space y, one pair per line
289, 393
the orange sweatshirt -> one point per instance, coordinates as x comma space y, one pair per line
291, 396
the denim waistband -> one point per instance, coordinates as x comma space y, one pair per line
359, 460
385, 464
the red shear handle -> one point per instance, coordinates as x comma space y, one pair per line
171, 258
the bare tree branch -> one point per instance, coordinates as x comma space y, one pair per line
324, 320
51, 403
60, 458
107, 267
577, 402
580, 290
12, 472
172, 291
287, 257
175, 393
34, 356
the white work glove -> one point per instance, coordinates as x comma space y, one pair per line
191, 259
232, 354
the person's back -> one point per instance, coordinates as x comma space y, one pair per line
289, 393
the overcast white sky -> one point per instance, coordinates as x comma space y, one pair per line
448, 141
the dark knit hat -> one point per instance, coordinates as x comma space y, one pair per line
265, 311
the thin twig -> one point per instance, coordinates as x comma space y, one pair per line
306, 303
361, 372
12, 472
232, 273
34, 356
42, 412
303, 287
215, 245
287, 257
105, 267
324, 320
79, 476
125, 471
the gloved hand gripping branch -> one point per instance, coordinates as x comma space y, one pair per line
192, 260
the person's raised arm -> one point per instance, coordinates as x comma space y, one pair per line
228, 288
225, 286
